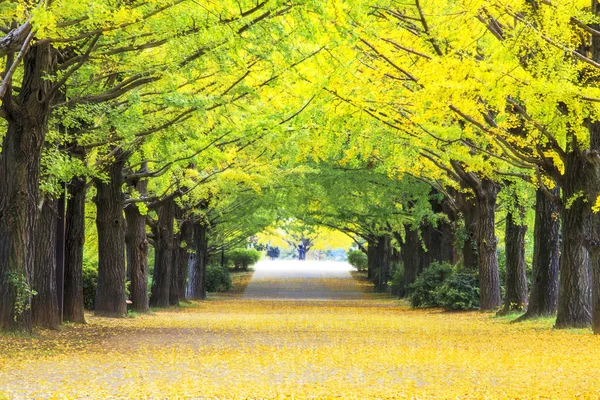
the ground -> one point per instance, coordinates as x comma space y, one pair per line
338, 340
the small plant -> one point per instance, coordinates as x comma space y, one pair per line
358, 260
218, 279
90, 281
23, 293
459, 292
241, 259
421, 293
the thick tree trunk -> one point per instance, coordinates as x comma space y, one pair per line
27, 117
384, 257
74, 241
489, 279
543, 298
574, 296
197, 283
136, 242
163, 265
110, 292
182, 257
371, 259
516, 268
448, 251
468, 209
137, 258
411, 250
44, 305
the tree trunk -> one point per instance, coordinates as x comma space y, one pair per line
574, 297
74, 241
197, 284
411, 250
543, 298
27, 117
384, 257
44, 305
136, 242
161, 280
468, 209
516, 268
182, 258
447, 230
371, 259
110, 292
489, 279
174, 285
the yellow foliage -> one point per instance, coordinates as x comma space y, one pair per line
369, 348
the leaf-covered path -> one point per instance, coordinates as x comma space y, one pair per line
373, 347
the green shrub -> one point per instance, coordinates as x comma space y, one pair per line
90, 281
242, 258
397, 282
218, 279
422, 292
460, 291
358, 260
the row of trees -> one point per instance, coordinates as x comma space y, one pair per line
480, 100
152, 117
188, 125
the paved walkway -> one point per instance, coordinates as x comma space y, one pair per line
302, 280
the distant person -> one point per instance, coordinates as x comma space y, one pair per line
301, 252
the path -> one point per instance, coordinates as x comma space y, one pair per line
343, 347
302, 280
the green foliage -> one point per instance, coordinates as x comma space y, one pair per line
23, 293
459, 292
218, 279
397, 282
90, 281
422, 293
446, 286
358, 260
243, 258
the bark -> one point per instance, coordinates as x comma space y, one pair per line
593, 193
384, 257
136, 242
468, 209
447, 230
110, 292
516, 268
44, 305
74, 241
174, 285
543, 298
27, 118
411, 250
371, 259
489, 279
574, 296
182, 257
161, 280
197, 283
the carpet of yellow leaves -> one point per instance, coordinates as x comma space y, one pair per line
368, 348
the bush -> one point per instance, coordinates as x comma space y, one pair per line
459, 292
90, 281
422, 292
218, 279
243, 258
358, 260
